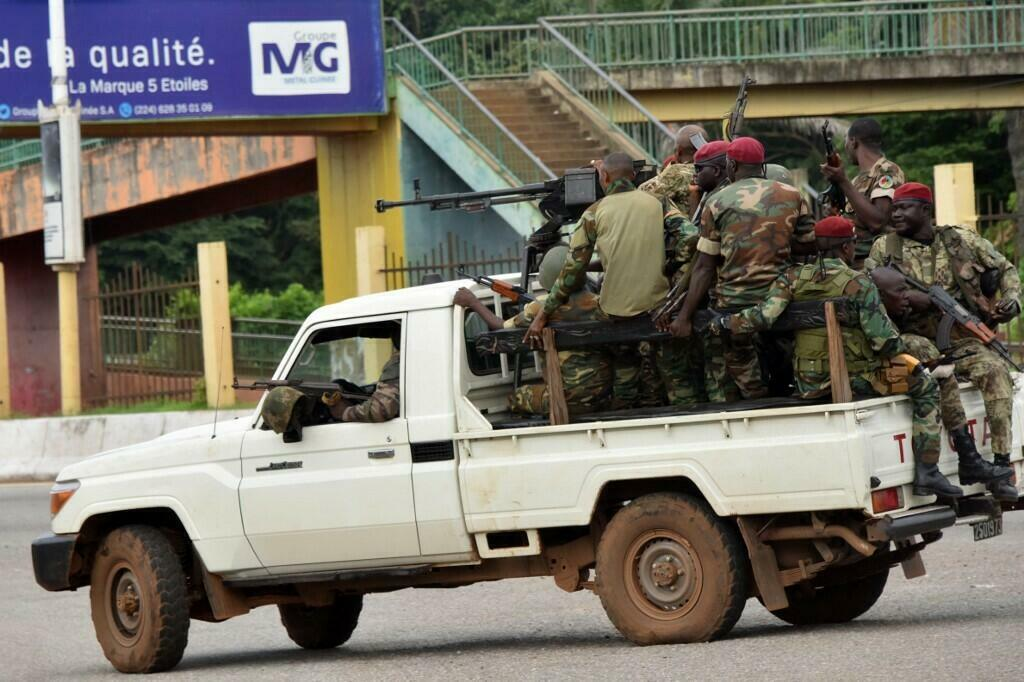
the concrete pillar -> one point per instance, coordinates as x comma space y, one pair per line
954, 195
353, 171
218, 358
5, 372
70, 348
370, 279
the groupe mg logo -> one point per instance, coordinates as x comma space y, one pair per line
299, 58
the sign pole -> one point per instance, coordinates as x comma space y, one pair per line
64, 239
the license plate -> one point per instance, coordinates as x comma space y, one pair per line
984, 530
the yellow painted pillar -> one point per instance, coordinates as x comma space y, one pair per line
5, 372
70, 353
218, 358
353, 171
954, 195
370, 279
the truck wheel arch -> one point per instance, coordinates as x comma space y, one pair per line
615, 493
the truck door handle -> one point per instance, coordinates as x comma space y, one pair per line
380, 454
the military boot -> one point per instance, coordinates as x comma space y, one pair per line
1001, 460
974, 469
928, 480
1002, 490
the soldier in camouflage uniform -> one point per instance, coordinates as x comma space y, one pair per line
675, 182
875, 354
383, 404
586, 373
895, 294
869, 195
955, 259
746, 232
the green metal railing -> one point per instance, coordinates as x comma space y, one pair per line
491, 52
795, 32
15, 153
435, 83
577, 72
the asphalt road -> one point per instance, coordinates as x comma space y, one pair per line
965, 620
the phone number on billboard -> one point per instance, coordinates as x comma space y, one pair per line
178, 108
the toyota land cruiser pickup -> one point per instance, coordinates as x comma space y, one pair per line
675, 518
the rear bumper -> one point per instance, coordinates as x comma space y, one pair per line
905, 525
51, 561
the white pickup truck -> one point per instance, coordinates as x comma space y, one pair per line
675, 519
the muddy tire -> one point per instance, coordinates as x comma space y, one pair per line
833, 603
670, 571
322, 627
139, 600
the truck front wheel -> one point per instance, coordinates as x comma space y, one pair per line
139, 600
832, 603
670, 571
322, 627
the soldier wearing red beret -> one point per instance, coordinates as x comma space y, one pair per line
869, 195
746, 228
957, 259
875, 353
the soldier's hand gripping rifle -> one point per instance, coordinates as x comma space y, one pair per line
833, 196
732, 124
510, 291
955, 313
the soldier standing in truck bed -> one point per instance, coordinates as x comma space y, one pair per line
869, 195
676, 180
746, 232
955, 259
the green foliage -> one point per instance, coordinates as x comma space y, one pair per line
269, 247
296, 302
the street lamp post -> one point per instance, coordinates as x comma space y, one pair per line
60, 135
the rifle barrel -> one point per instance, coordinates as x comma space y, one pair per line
507, 195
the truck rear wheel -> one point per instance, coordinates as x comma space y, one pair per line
139, 600
670, 571
833, 603
322, 627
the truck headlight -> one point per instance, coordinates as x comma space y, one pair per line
60, 493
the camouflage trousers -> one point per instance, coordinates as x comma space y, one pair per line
732, 368
951, 408
667, 371
925, 434
586, 378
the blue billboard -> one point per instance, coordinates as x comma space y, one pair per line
194, 59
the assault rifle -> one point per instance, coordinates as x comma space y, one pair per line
955, 313
732, 124
509, 291
338, 386
562, 202
833, 196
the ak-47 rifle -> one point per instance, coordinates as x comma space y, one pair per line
955, 313
833, 196
510, 291
732, 124
315, 386
562, 202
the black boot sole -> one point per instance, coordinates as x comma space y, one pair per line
966, 480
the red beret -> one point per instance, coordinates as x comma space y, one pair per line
746, 150
834, 226
711, 150
913, 191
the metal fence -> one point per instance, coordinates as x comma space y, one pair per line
1005, 229
443, 261
260, 343
150, 339
15, 153
793, 32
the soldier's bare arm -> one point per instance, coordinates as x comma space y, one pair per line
871, 213
467, 299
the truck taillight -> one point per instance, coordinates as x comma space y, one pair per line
886, 500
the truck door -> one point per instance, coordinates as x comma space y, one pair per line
344, 492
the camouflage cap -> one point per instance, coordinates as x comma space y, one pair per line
551, 265
282, 411
779, 173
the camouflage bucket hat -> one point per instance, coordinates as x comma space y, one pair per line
281, 409
551, 265
774, 171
